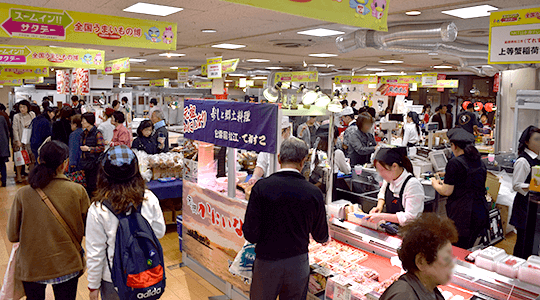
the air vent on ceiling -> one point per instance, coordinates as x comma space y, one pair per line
482, 32
292, 43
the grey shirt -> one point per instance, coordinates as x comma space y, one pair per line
409, 287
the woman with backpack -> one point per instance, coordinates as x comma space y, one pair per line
49, 253
120, 188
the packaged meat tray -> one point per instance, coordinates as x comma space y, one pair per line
509, 266
529, 272
488, 258
360, 273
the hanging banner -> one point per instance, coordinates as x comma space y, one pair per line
18, 81
122, 79
397, 89
408, 79
229, 66
37, 23
81, 82
52, 57
429, 79
370, 14
355, 79
203, 85
214, 67
34, 80
514, 36
439, 78
204, 70
496, 83
120, 65
23, 72
448, 84
160, 82
182, 75
63, 81
238, 125
312, 76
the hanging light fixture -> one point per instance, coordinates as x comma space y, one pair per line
322, 99
335, 106
272, 93
308, 97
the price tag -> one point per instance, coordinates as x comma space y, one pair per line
341, 292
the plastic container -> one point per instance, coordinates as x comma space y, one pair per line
488, 258
509, 266
223, 181
529, 272
535, 259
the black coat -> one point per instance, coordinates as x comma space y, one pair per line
4, 138
61, 130
155, 136
146, 144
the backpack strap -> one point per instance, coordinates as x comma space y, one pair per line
66, 227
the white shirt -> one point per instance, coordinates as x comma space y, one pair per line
263, 162
521, 171
410, 135
101, 226
340, 162
413, 196
107, 129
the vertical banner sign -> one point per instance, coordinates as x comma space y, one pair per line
370, 14
212, 230
440, 77
63, 78
23, 72
229, 66
81, 82
204, 70
429, 79
312, 76
19, 21
183, 74
116, 66
122, 79
214, 67
52, 57
496, 83
514, 36
238, 125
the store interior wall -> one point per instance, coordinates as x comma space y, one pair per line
512, 81
4, 95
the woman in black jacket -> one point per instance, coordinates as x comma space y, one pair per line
62, 127
92, 145
144, 140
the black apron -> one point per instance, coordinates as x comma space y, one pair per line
467, 206
519, 208
393, 204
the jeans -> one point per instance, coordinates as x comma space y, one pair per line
62, 291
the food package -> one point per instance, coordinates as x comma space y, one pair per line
337, 209
488, 258
535, 179
161, 165
318, 279
530, 272
509, 266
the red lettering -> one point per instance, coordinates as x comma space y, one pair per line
202, 210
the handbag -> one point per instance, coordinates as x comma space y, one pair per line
66, 227
77, 177
12, 288
243, 262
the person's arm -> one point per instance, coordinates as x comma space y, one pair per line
96, 246
15, 219
157, 221
381, 199
17, 130
341, 162
320, 224
253, 217
406, 135
100, 144
301, 130
262, 165
521, 171
442, 188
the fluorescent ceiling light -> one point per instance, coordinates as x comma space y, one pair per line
173, 68
51, 46
133, 77
471, 12
375, 69
259, 78
418, 73
391, 61
274, 68
209, 31
320, 32
322, 55
237, 74
228, 46
152, 9
172, 54
322, 65
442, 67
152, 70
135, 60
257, 60
388, 74
413, 13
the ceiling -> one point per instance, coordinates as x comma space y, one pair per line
261, 29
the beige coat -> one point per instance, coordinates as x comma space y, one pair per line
46, 250
21, 122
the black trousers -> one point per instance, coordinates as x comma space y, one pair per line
287, 278
519, 247
62, 291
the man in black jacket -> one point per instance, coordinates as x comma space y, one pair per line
161, 134
283, 210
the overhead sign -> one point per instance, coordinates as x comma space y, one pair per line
311, 76
397, 89
18, 81
229, 66
120, 65
355, 79
203, 85
408, 79
214, 67
440, 77
23, 72
238, 125
81, 82
34, 80
183, 75
160, 82
448, 84
429, 79
52, 57
370, 14
19, 21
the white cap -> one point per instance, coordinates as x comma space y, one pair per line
347, 111
285, 122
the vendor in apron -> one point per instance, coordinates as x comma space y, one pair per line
528, 149
465, 186
401, 193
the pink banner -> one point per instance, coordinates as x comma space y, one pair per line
63, 81
81, 82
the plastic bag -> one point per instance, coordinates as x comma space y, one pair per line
12, 289
243, 262
18, 158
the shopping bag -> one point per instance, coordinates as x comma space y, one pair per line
25, 156
26, 134
12, 289
243, 262
18, 158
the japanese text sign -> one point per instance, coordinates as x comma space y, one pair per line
514, 36
312, 76
23, 72
227, 66
120, 65
183, 74
429, 79
52, 57
63, 81
214, 67
370, 14
81, 82
18, 81
34, 80
203, 85
355, 80
160, 82
246, 126
397, 89
29, 22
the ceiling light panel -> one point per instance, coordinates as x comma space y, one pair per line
152, 9
442, 67
152, 70
172, 54
322, 55
136, 60
391, 61
471, 12
228, 46
321, 32
208, 31
257, 60
274, 68
322, 65
375, 69
173, 68
413, 13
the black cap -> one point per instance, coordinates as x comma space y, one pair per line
460, 135
391, 155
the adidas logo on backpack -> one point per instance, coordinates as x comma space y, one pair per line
138, 270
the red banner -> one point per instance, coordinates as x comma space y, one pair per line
397, 89
81, 82
496, 83
63, 81
441, 77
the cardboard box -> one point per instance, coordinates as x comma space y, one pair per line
168, 215
492, 185
505, 211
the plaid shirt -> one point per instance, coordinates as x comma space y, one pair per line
120, 155
100, 143
60, 279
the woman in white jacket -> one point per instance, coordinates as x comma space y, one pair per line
411, 130
120, 182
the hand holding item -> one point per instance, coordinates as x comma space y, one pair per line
18, 144
94, 295
375, 217
436, 182
253, 180
375, 210
85, 148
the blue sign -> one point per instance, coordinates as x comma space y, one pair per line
246, 126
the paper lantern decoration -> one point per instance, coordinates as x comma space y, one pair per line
464, 105
478, 106
489, 107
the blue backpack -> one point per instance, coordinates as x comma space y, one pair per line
138, 270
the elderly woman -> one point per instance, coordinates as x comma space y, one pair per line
426, 255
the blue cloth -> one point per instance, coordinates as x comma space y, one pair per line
159, 124
119, 155
75, 149
166, 190
41, 130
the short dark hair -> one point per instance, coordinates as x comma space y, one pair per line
82, 101
76, 119
362, 118
344, 101
2, 107
449, 106
26, 103
526, 137
293, 150
371, 111
125, 99
153, 101
89, 117
144, 124
119, 117
115, 103
46, 104
425, 235
470, 105
74, 98
66, 112
353, 103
